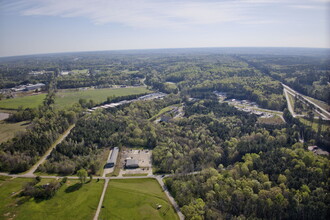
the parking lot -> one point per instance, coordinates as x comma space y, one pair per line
142, 156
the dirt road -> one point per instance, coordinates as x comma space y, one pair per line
44, 157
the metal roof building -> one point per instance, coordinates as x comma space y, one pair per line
33, 87
113, 158
132, 163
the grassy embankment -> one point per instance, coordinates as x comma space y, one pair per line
163, 111
315, 125
319, 102
305, 107
65, 98
70, 202
136, 199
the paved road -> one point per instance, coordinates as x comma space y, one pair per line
318, 112
44, 157
324, 113
289, 103
170, 198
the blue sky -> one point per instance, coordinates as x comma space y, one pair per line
47, 26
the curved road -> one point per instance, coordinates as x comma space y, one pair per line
325, 113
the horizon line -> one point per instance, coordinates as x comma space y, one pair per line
161, 48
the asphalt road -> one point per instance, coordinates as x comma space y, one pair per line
289, 103
324, 112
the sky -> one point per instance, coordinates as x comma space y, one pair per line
50, 26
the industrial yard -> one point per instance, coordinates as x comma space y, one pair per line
135, 162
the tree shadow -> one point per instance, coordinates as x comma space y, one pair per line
22, 200
73, 188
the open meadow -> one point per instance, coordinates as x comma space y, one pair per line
8, 130
32, 101
65, 98
68, 97
325, 125
70, 202
136, 199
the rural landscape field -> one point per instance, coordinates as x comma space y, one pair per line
179, 144
130, 199
164, 110
66, 98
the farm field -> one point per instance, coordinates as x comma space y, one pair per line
66, 98
136, 199
8, 130
70, 202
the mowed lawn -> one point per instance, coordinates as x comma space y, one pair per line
8, 130
315, 127
136, 199
66, 98
69, 202
32, 101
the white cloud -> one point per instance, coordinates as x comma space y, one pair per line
307, 7
160, 13
146, 13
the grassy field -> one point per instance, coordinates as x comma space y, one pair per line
163, 111
8, 130
66, 98
319, 102
130, 72
26, 102
325, 124
70, 202
136, 199
171, 85
275, 120
84, 71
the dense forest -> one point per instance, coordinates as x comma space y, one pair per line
283, 183
308, 75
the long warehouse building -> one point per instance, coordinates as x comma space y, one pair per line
113, 158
